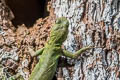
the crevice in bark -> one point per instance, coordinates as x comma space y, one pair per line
106, 53
27, 11
82, 69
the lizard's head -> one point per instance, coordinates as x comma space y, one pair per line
59, 30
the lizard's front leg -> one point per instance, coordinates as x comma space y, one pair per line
38, 52
76, 54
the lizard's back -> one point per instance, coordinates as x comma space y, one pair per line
47, 64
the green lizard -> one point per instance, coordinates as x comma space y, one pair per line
49, 55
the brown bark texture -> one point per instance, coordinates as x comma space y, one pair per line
18, 33
92, 22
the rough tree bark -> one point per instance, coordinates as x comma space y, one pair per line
15, 39
92, 22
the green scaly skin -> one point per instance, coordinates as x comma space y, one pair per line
49, 55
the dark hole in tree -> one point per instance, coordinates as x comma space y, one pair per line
54, 78
27, 11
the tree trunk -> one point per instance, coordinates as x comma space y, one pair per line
92, 22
